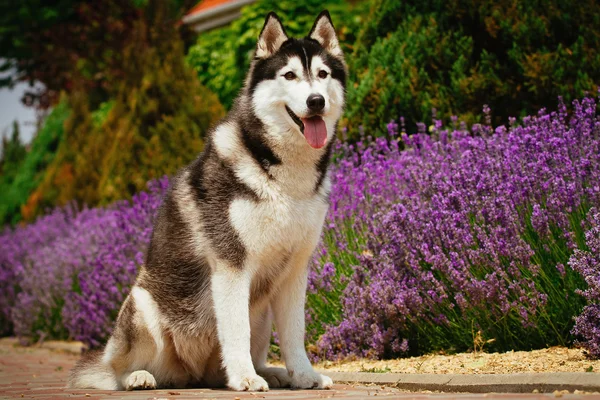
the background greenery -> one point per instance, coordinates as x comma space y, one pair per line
23, 170
456, 55
221, 57
139, 90
132, 110
132, 94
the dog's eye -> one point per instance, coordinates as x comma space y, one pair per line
290, 76
323, 74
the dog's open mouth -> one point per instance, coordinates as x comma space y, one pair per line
313, 128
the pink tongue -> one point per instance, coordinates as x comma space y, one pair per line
315, 131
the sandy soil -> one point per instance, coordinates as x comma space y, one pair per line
555, 359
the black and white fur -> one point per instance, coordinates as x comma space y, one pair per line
233, 237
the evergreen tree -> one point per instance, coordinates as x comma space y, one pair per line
457, 55
222, 56
152, 127
13, 154
17, 188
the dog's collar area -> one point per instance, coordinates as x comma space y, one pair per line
296, 119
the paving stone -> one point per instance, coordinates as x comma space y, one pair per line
509, 383
34, 373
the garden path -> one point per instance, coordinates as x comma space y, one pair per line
41, 373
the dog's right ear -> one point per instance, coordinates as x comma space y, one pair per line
271, 37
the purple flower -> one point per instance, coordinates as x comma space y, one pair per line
587, 262
428, 240
66, 274
461, 231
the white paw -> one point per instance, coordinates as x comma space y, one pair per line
140, 380
310, 380
276, 377
326, 382
251, 383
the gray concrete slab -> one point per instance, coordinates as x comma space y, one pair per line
484, 383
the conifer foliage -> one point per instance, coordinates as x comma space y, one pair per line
222, 56
153, 126
516, 56
20, 175
13, 152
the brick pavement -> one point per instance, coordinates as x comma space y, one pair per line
39, 373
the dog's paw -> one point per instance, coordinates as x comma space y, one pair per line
326, 382
139, 380
276, 377
310, 380
251, 383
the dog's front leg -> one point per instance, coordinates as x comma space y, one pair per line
231, 294
288, 308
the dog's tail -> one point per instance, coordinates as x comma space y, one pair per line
91, 373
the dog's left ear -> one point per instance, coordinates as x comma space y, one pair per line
271, 37
324, 33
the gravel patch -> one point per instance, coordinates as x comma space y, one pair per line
554, 359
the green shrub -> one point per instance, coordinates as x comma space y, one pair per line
454, 56
222, 56
153, 126
13, 153
16, 188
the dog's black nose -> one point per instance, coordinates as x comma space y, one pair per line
315, 102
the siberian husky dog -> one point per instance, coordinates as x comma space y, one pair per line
232, 240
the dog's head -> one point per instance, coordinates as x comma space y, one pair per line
299, 84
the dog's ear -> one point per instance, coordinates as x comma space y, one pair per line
271, 37
324, 33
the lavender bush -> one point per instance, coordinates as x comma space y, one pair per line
587, 325
461, 234
66, 274
431, 240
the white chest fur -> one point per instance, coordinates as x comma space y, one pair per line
281, 225
288, 214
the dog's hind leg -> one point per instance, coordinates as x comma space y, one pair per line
136, 342
139, 355
103, 369
140, 379
127, 365
262, 327
143, 352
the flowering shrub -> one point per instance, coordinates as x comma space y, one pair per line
587, 325
463, 234
432, 242
66, 274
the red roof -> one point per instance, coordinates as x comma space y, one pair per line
207, 5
